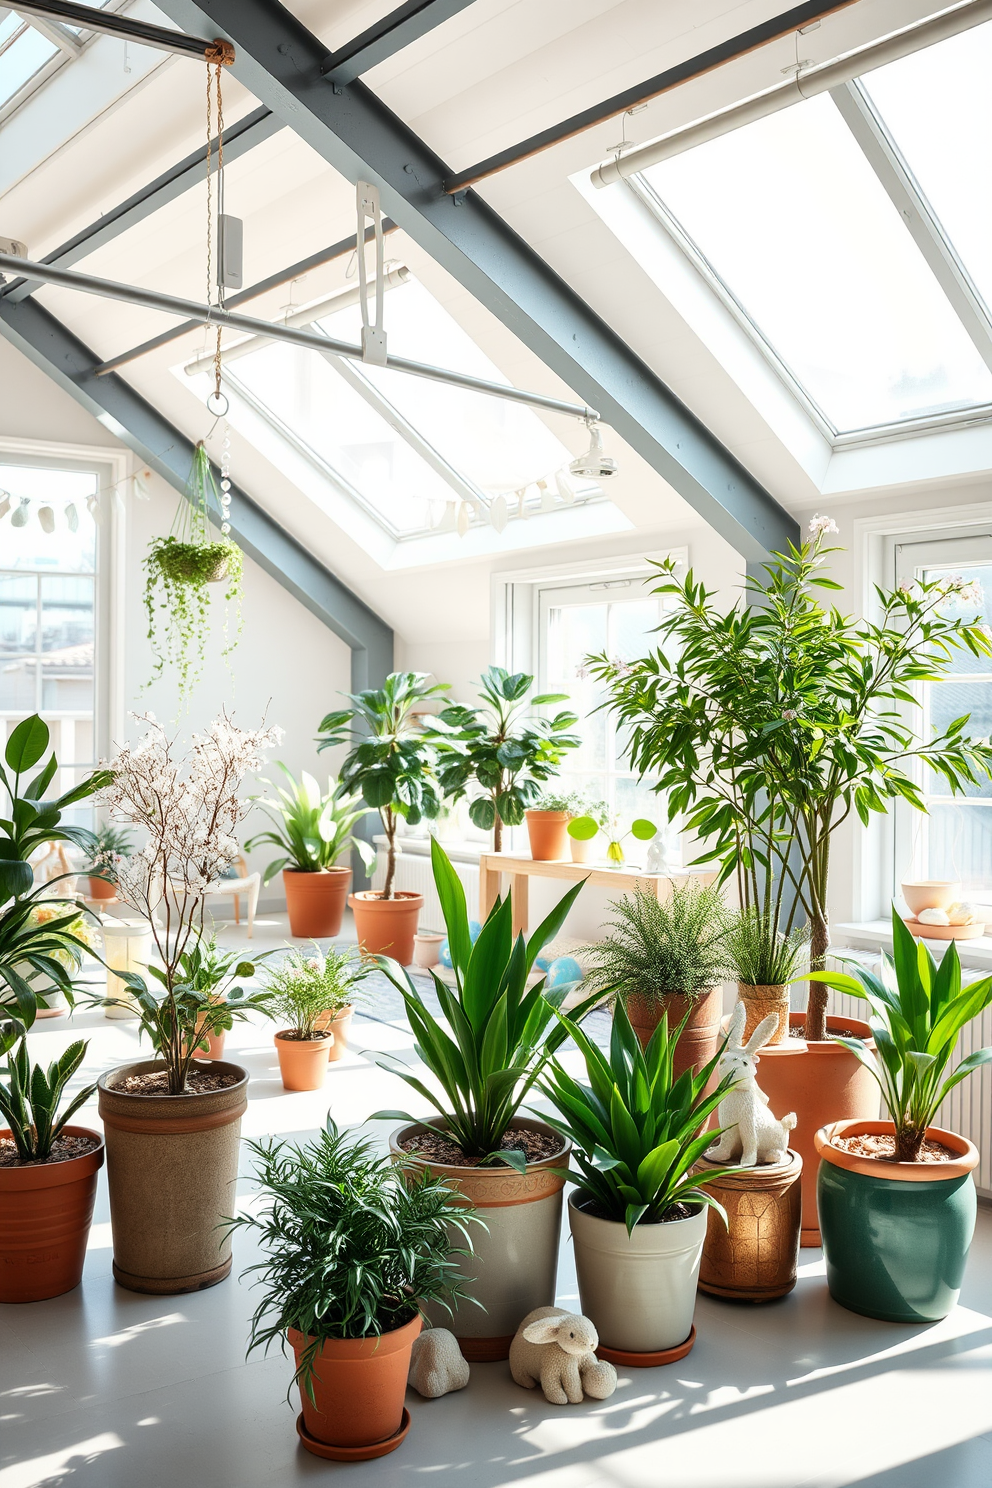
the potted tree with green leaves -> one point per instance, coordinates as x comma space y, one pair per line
355, 1247
769, 724
668, 958
503, 1031
897, 1197
391, 765
638, 1214
179, 570
505, 752
48, 1174
312, 831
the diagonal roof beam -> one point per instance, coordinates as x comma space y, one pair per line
281, 63
42, 338
241, 137
401, 27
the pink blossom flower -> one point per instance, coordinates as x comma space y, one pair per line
819, 526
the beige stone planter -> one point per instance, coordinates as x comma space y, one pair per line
639, 1290
515, 1262
172, 1165
758, 1003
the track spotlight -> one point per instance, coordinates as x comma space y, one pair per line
594, 464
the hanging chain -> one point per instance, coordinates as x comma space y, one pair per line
215, 293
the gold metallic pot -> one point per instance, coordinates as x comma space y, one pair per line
754, 1258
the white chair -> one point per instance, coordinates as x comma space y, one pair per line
245, 883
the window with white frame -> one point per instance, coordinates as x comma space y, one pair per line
953, 840
49, 556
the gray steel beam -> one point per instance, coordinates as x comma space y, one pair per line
280, 62
402, 26
69, 363
239, 138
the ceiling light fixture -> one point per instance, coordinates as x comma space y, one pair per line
594, 464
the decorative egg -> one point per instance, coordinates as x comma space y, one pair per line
444, 955
474, 931
543, 962
933, 917
562, 970
962, 913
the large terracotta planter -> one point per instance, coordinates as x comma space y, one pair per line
172, 1164
386, 927
548, 835
359, 1384
759, 1002
895, 1234
699, 1039
45, 1214
639, 1290
315, 901
821, 1082
752, 1258
338, 1024
302, 1062
514, 1263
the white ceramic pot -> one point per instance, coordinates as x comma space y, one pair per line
639, 1290
427, 949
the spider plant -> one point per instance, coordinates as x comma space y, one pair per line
919, 1011
30, 1103
499, 1040
355, 1244
311, 829
636, 1131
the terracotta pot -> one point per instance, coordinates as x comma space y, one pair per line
821, 1082
386, 927
172, 1164
581, 851
514, 1263
339, 1024
701, 1035
548, 836
896, 1235
753, 1257
315, 901
99, 888
359, 1386
639, 1290
759, 1003
930, 893
45, 1214
302, 1062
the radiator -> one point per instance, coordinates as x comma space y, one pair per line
968, 1108
413, 872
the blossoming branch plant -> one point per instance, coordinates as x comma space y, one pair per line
190, 809
767, 724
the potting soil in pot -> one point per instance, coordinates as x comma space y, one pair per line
63, 1148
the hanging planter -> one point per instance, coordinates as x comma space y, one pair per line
178, 570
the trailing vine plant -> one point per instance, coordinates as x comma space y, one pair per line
178, 571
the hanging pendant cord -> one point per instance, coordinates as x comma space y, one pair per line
215, 292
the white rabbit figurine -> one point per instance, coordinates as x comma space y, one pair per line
753, 1135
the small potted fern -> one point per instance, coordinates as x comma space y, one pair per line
179, 569
766, 960
668, 957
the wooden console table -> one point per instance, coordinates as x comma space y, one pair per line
520, 870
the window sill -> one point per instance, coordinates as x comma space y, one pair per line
873, 935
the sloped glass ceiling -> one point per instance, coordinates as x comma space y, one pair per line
26, 53
400, 445
802, 239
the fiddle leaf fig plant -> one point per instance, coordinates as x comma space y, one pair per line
769, 723
179, 569
502, 749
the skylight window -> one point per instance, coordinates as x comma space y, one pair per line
797, 229
405, 448
23, 53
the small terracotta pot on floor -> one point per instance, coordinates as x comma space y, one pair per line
386, 927
359, 1386
699, 1039
821, 1082
45, 1215
547, 831
754, 1256
302, 1062
172, 1166
338, 1024
315, 901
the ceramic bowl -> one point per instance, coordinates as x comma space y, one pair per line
933, 893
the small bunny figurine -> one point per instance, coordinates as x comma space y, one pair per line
753, 1135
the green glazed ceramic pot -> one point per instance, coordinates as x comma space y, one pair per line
895, 1235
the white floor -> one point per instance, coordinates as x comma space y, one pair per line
103, 1388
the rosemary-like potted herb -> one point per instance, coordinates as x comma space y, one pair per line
178, 571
